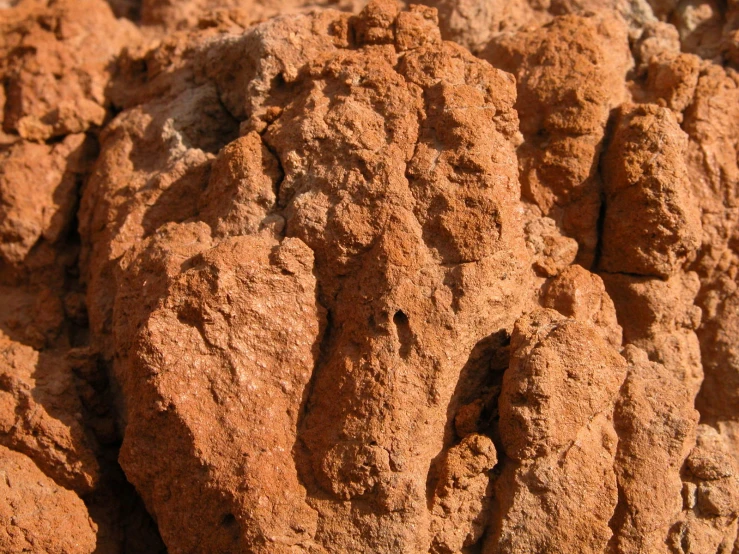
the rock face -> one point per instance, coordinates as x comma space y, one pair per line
556, 425
227, 427
650, 456
570, 74
647, 184
64, 525
56, 65
444, 279
389, 251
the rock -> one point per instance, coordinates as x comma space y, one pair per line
252, 373
552, 251
569, 393
715, 177
33, 208
651, 226
183, 14
718, 396
472, 24
57, 60
711, 495
399, 260
581, 295
656, 428
41, 415
660, 317
38, 515
556, 424
313, 279
566, 88
672, 79
700, 24
462, 497
657, 39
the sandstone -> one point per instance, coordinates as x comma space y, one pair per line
312, 276
419, 218
461, 505
660, 317
646, 181
36, 208
556, 425
56, 62
38, 515
41, 415
564, 107
650, 456
579, 294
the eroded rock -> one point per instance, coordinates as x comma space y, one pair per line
651, 224
556, 425
373, 159
56, 63
37, 514
313, 246
656, 426
569, 76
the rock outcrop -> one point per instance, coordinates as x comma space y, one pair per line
329, 277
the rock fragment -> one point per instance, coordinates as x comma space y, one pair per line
656, 425
56, 63
245, 318
38, 194
710, 496
579, 294
463, 494
371, 158
661, 318
41, 415
313, 250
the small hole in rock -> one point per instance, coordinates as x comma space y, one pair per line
404, 333
229, 520
400, 319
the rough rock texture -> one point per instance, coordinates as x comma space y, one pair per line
41, 413
283, 278
37, 514
569, 76
182, 14
67, 493
219, 317
656, 428
557, 492
56, 62
399, 238
646, 185
660, 317
39, 199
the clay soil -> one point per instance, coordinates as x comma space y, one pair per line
328, 276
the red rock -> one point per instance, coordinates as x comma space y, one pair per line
331, 280
556, 425
646, 185
566, 89
36, 514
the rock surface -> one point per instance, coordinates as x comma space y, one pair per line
556, 425
302, 276
37, 514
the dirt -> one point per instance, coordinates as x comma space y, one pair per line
334, 277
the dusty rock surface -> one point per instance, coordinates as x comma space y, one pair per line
303, 276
